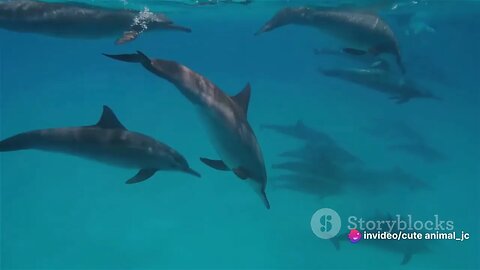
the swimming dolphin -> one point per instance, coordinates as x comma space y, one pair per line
388, 129
108, 141
379, 180
313, 152
324, 168
421, 150
302, 132
366, 60
318, 144
407, 248
308, 184
408, 140
79, 20
397, 87
225, 117
364, 32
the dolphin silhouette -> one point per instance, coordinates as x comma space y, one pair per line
398, 88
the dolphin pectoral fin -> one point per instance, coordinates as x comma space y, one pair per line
354, 51
242, 99
138, 57
406, 258
241, 173
216, 164
127, 37
109, 120
142, 175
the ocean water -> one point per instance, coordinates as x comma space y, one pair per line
64, 212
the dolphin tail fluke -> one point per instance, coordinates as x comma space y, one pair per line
18, 142
138, 57
141, 176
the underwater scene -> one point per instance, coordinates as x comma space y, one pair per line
239, 134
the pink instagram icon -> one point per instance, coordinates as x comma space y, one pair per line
354, 236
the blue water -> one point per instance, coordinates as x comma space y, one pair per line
64, 212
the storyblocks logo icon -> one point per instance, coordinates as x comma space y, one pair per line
325, 223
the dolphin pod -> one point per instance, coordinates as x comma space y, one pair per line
322, 167
225, 117
108, 141
364, 32
78, 20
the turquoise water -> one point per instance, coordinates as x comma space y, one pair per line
64, 212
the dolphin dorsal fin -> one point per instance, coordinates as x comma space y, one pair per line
109, 120
243, 98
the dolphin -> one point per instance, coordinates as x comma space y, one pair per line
308, 184
225, 117
421, 150
364, 32
388, 129
407, 248
107, 141
314, 152
79, 20
302, 132
378, 180
324, 168
397, 87
366, 59
318, 144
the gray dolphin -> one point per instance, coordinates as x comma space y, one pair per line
398, 88
225, 117
313, 152
322, 168
377, 180
78, 20
421, 150
108, 141
407, 248
302, 132
367, 60
308, 184
363, 31
319, 144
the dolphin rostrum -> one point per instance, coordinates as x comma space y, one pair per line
108, 141
225, 117
79, 20
364, 32
398, 88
